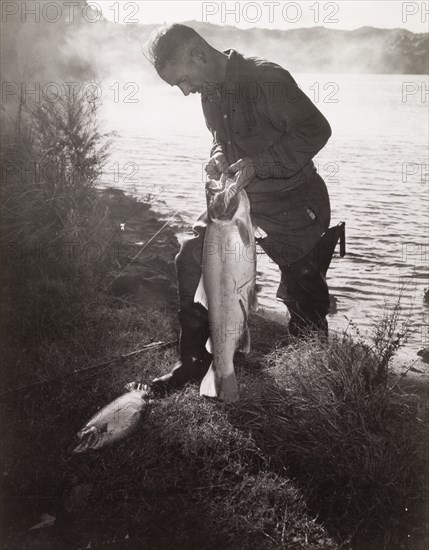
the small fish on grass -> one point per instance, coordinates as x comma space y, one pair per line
115, 421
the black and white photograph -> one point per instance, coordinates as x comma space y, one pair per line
214, 275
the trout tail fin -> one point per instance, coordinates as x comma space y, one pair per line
208, 383
224, 388
228, 390
200, 294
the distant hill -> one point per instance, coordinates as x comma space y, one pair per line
320, 49
82, 51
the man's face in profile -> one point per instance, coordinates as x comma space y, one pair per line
188, 72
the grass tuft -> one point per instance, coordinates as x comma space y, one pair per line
354, 443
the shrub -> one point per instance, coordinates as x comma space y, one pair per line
54, 224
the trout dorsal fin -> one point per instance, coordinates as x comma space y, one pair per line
200, 294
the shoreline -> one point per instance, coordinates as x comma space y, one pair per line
241, 455
410, 371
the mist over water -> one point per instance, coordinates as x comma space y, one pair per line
163, 142
164, 139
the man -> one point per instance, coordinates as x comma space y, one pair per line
265, 131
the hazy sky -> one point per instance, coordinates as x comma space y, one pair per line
343, 14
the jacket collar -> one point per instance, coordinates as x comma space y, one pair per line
232, 68
214, 93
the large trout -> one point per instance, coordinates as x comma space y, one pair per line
227, 289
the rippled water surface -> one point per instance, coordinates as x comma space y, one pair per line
162, 143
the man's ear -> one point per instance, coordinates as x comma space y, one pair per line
199, 54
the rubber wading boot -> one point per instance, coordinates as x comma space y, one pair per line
194, 358
180, 374
304, 327
304, 290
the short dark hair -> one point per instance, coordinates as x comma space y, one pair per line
166, 43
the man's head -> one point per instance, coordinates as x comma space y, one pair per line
183, 58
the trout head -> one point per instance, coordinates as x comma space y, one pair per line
222, 200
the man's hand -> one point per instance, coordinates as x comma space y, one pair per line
220, 202
244, 171
216, 166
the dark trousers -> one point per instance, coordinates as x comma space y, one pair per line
294, 222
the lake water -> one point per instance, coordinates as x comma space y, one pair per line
375, 166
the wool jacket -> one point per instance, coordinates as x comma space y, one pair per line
261, 113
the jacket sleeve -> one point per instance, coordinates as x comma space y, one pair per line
304, 129
216, 146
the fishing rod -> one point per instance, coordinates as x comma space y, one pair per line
146, 244
92, 369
